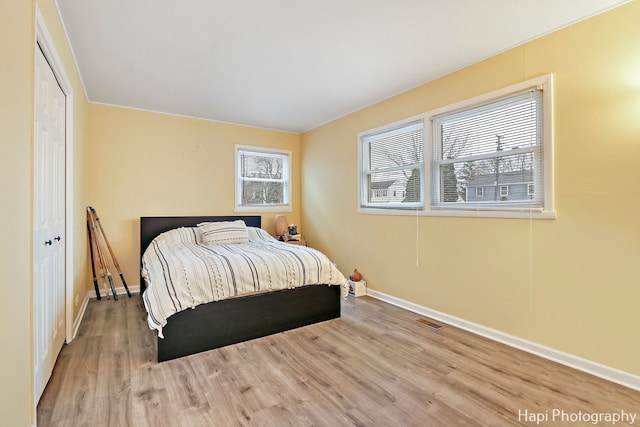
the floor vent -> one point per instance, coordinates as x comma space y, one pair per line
429, 323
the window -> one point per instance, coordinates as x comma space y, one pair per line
392, 166
497, 143
379, 193
262, 179
488, 156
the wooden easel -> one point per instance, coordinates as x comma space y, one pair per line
99, 258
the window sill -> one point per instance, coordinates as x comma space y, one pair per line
278, 208
460, 213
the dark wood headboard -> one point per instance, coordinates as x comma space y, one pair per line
152, 226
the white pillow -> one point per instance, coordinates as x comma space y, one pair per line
179, 235
223, 233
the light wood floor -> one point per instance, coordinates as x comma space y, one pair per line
375, 366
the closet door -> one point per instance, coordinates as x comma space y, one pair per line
49, 222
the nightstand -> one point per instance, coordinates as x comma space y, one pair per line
301, 242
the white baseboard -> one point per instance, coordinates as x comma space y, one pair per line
78, 319
119, 291
611, 374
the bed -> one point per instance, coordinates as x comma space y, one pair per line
228, 321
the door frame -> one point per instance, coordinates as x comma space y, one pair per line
44, 41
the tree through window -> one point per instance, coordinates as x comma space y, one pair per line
392, 167
262, 177
496, 146
486, 156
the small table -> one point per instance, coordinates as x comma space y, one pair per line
301, 242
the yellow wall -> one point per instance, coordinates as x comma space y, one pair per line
17, 49
573, 283
150, 164
16, 106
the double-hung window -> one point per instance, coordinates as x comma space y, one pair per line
497, 145
490, 155
392, 166
262, 179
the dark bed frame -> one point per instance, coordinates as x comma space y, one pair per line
231, 321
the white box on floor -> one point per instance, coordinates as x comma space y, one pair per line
358, 288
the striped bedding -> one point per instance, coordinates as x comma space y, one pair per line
181, 272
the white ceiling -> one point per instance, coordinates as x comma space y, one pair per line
290, 64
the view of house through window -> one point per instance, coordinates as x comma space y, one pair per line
490, 155
392, 167
262, 177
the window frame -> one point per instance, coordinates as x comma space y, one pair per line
286, 206
364, 205
545, 212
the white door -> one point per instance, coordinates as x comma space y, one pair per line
49, 222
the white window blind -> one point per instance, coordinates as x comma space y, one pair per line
490, 155
262, 177
392, 167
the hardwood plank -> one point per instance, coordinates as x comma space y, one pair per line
376, 365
